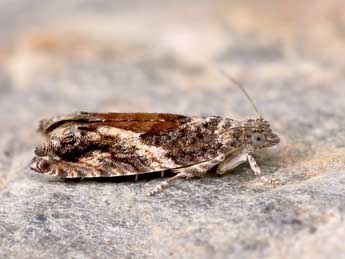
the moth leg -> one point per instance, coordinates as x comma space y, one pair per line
253, 165
257, 171
164, 184
231, 162
197, 170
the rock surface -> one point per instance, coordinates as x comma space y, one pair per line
65, 56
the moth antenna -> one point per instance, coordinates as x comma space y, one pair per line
240, 86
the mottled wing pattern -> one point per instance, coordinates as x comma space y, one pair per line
115, 144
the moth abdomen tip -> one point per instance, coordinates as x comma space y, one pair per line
40, 165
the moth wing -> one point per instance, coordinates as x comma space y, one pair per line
135, 122
137, 143
133, 153
100, 164
95, 166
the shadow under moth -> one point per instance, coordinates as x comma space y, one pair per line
83, 144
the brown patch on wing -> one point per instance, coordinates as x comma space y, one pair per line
136, 122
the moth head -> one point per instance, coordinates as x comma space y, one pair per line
258, 134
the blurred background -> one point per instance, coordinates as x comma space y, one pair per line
164, 56
131, 55
117, 55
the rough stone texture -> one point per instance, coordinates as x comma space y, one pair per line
64, 56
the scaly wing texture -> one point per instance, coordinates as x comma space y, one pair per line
116, 144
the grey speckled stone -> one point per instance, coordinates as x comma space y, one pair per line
209, 217
64, 57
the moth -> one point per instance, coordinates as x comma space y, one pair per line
81, 145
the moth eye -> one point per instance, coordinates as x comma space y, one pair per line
258, 139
